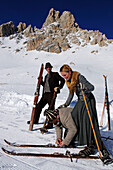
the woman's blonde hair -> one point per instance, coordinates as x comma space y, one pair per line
65, 68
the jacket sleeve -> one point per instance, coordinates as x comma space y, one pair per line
69, 99
61, 79
71, 127
59, 132
43, 82
88, 86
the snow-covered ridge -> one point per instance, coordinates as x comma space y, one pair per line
18, 77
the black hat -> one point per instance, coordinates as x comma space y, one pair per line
48, 65
51, 114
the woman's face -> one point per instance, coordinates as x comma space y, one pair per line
66, 75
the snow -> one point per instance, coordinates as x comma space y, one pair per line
18, 78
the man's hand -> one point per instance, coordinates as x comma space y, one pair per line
58, 141
57, 90
62, 144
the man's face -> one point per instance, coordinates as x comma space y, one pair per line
48, 70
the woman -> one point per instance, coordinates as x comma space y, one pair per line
76, 83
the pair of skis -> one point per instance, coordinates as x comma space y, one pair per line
53, 155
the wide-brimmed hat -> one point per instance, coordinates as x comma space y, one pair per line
48, 65
51, 114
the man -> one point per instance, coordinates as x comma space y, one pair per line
52, 83
62, 119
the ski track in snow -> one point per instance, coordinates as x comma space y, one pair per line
18, 78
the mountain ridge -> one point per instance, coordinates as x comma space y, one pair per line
58, 33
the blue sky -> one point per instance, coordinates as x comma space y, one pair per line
89, 14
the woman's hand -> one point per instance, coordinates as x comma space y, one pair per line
62, 106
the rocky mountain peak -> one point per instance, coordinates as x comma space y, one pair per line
58, 33
7, 29
53, 16
66, 20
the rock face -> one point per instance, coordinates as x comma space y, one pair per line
28, 31
53, 16
58, 33
52, 36
7, 29
66, 20
21, 27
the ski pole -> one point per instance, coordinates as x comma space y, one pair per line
91, 124
43, 130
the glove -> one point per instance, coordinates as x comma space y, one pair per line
62, 106
82, 86
57, 89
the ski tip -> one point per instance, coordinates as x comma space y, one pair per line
6, 141
6, 151
2, 148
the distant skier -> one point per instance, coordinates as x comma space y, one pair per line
53, 82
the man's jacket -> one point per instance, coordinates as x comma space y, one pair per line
55, 80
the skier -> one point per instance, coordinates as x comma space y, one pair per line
83, 133
53, 82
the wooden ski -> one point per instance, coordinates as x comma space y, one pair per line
40, 145
36, 97
106, 104
53, 155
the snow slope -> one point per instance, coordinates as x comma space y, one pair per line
18, 78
